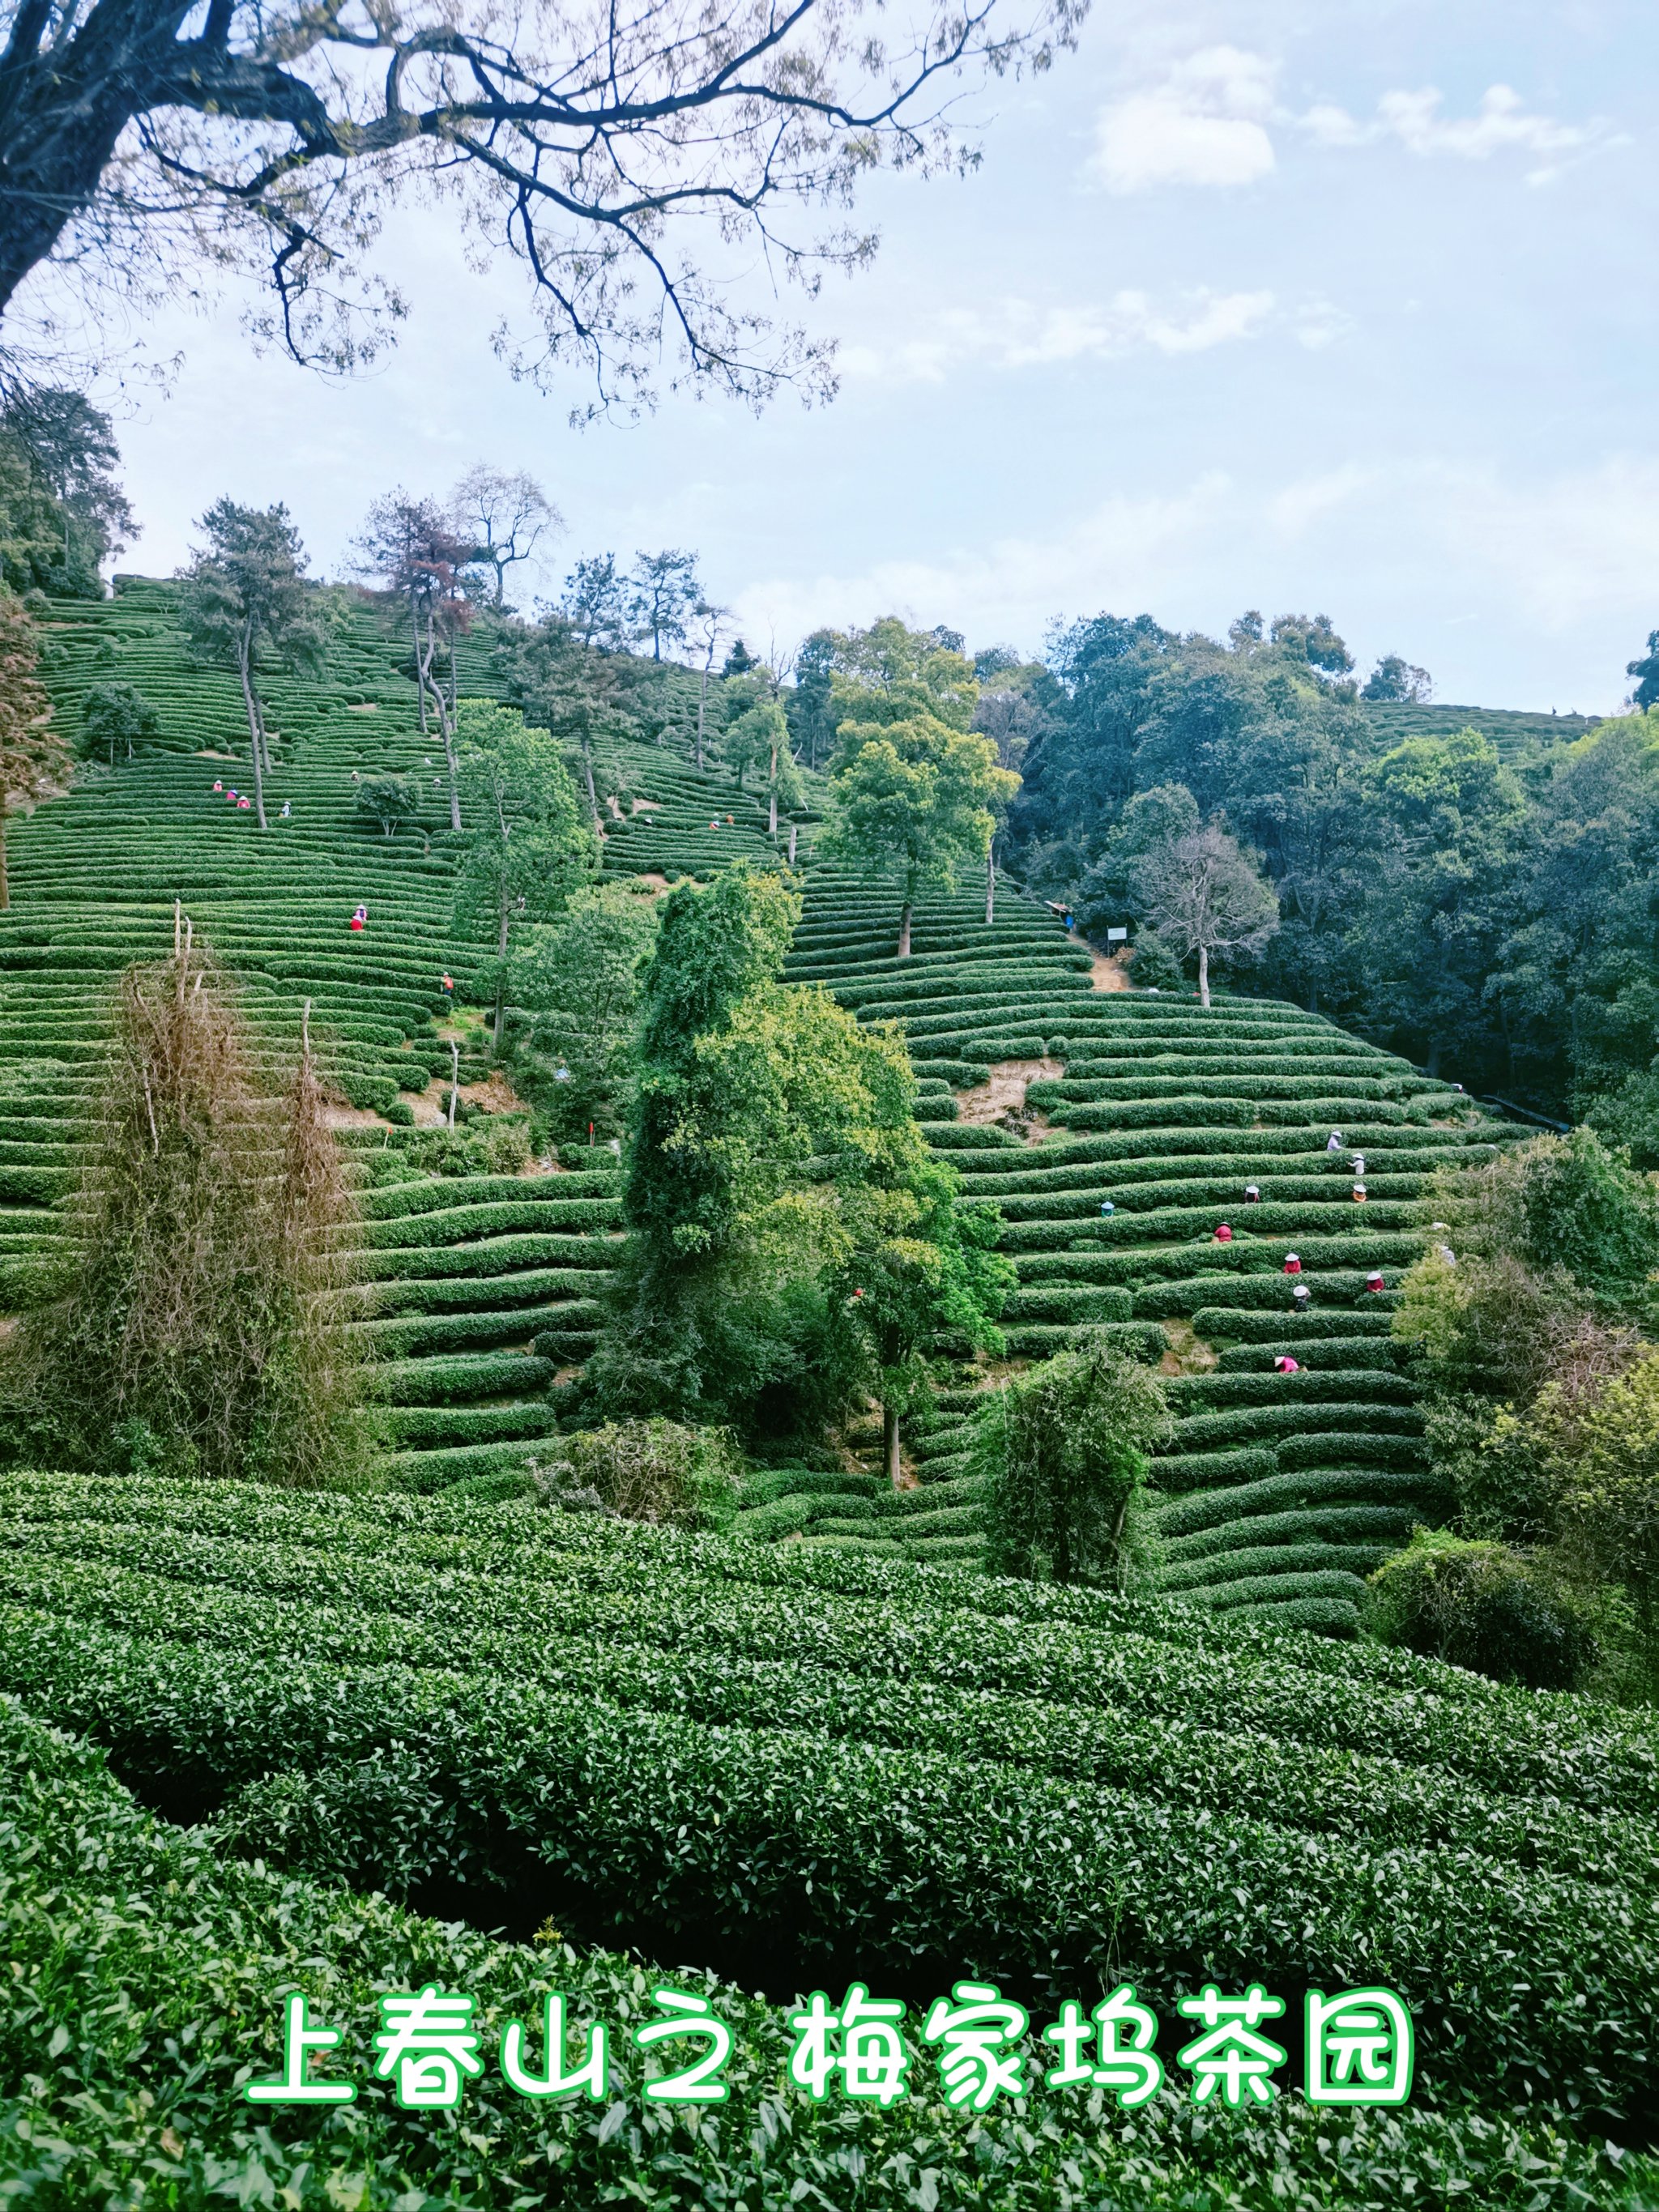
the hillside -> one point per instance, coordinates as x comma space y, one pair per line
1280, 1490
1007, 1767
248, 1737
479, 1290
1514, 733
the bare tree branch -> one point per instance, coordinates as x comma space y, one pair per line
625, 158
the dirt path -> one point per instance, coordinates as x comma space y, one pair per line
1104, 975
1003, 1088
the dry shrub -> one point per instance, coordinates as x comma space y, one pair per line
197, 1328
659, 1471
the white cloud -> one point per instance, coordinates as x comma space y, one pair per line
1014, 334
1203, 125
1298, 508
1568, 557
1502, 123
1320, 323
1567, 549
1208, 123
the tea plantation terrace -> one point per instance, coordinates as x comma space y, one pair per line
477, 1291
778, 1761
1280, 1490
1517, 735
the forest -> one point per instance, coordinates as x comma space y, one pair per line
683, 1331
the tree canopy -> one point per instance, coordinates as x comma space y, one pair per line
246, 599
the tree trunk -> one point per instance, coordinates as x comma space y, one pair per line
794, 827
454, 767
454, 1079
420, 665
500, 973
1203, 975
5, 886
904, 933
890, 1438
772, 816
62, 122
244, 669
446, 719
991, 883
593, 795
702, 702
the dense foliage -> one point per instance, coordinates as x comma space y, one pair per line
1067, 1444
1496, 918
841, 1179
132, 1938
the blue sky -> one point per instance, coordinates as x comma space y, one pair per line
1344, 307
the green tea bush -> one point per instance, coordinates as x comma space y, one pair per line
1485, 1607
1044, 1794
130, 1937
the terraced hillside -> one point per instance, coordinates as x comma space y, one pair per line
476, 1289
1145, 1119
1513, 733
1137, 1122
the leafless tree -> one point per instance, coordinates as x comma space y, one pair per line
506, 514
410, 548
708, 633
1203, 894
631, 161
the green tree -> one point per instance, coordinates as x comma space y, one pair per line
773, 1165
1485, 1607
578, 982
594, 604
1062, 1453
116, 718
560, 684
1395, 679
1604, 1451
1646, 672
1585, 1210
390, 801
914, 798
32, 530
246, 600
662, 593
1204, 894
920, 1268
889, 673
530, 849
759, 738
33, 757
72, 445
811, 719
1312, 639
677, 1334
1564, 1203
1151, 821
420, 556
